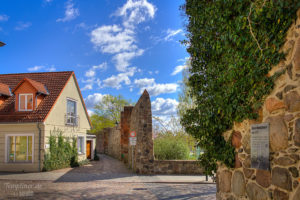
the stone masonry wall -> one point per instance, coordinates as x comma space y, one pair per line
141, 123
125, 126
282, 111
115, 142
177, 167
108, 142
100, 143
114, 145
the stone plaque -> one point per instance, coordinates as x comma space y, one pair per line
260, 146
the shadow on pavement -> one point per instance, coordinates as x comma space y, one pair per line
105, 169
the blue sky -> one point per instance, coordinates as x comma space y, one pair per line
114, 46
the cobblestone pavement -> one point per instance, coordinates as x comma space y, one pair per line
108, 179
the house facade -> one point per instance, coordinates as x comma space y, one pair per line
32, 105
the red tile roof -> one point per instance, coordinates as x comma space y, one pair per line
5, 90
54, 81
37, 85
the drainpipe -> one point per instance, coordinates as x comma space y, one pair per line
40, 137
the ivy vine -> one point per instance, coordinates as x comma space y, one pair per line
233, 44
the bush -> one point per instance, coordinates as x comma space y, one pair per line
168, 147
62, 153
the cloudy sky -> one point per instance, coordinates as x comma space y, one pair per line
114, 46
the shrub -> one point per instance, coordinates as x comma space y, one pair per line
62, 152
168, 147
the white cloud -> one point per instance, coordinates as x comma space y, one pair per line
41, 68
153, 88
92, 71
171, 33
183, 59
122, 59
178, 69
51, 69
156, 72
36, 68
120, 41
70, 12
89, 83
135, 12
92, 99
115, 81
158, 89
164, 107
144, 82
3, 18
113, 39
22, 25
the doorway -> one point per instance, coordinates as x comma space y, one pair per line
89, 149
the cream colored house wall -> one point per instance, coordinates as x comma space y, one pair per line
25, 128
56, 118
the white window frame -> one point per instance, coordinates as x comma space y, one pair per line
25, 94
6, 148
83, 144
67, 115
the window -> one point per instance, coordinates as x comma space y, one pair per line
80, 144
19, 148
71, 112
25, 102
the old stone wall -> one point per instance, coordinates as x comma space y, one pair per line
125, 128
141, 123
108, 142
177, 167
113, 142
140, 158
100, 143
282, 111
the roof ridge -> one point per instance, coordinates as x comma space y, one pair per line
38, 72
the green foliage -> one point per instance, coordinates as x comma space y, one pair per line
107, 112
62, 153
169, 147
233, 45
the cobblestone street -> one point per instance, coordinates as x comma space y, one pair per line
107, 179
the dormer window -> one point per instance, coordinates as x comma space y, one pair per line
25, 102
29, 94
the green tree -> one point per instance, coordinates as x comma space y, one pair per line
171, 141
185, 100
233, 46
108, 112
